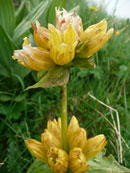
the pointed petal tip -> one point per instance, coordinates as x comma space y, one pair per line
110, 31
28, 141
33, 27
26, 41
74, 119
14, 57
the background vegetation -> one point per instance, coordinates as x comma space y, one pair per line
24, 113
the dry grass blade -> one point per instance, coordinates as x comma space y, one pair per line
116, 127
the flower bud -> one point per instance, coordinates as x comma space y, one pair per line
76, 135
58, 160
77, 161
36, 148
40, 35
49, 140
54, 127
94, 146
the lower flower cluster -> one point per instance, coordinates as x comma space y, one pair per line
80, 149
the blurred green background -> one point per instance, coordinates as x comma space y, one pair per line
24, 113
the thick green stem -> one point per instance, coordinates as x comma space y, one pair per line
64, 117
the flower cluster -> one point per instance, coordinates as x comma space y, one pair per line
61, 44
80, 149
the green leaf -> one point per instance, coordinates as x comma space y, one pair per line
51, 16
20, 13
106, 165
12, 110
34, 3
84, 63
25, 25
8, 67
6, 51
39, 167
5, 97
7, 16
56, 77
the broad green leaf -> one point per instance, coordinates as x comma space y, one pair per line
51, 16
72, 4
6, 51
34, 3
106, 165
56, 77
39, 167
9, 67
20, 13
25, 25
7, 16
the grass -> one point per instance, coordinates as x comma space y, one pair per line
24, 114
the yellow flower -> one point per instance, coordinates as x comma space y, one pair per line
50, 150
40, 35
58, 160
117, 32
60, 44
78, 163
93, 39
93, 8
62, 48
35, 58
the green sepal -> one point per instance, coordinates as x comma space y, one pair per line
59, 76
39, 167
108, 164
84, 63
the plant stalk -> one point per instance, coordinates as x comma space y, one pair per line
64, 117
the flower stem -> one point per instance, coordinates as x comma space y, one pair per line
64, 117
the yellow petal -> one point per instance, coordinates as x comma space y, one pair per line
73, 127
61, 51
76, 135
40, 36
77, 161
49, 140
36, 148
93, 8
93, 31
58, 160
69, 36
55, 38
94, 146
98, 43
26, 41
91, 38
54, 127
63, 54
94, 44
34, 58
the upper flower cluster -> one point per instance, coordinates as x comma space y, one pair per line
81, 149
60, 44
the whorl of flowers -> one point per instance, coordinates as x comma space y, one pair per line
61, 44
80, 149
